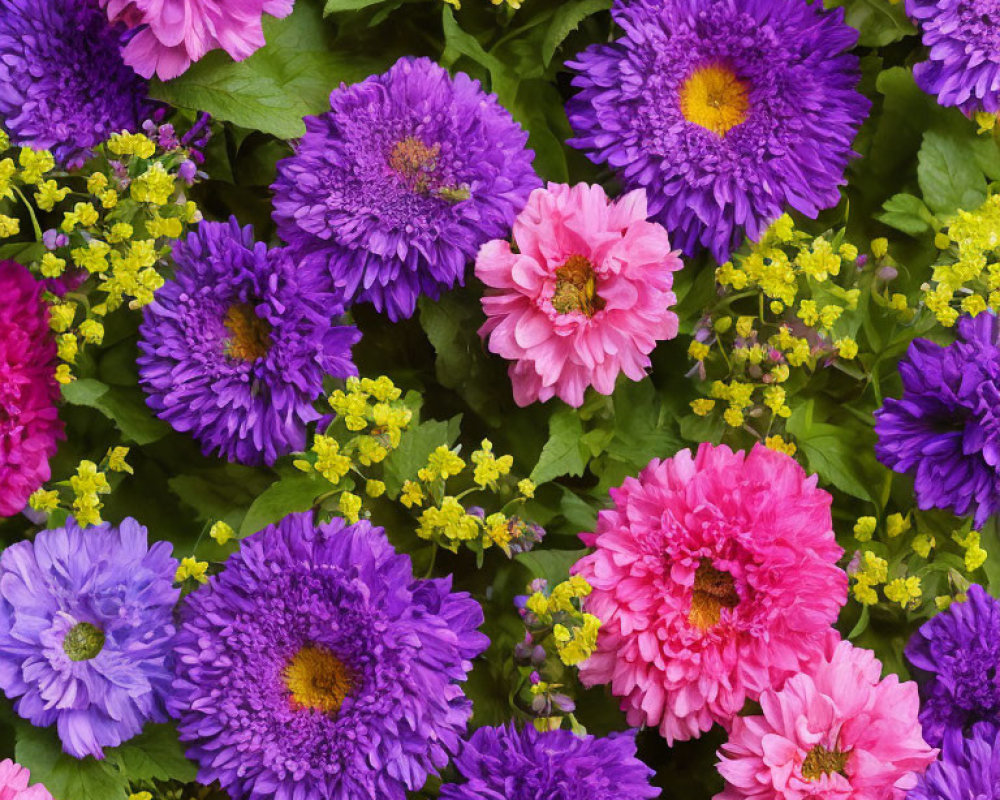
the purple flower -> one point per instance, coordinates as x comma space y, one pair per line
315, 667
235, 347
946, 427
63, 84
724, 111
969, 768
86, 632
957, 655
507, 764
963, 66
400, 183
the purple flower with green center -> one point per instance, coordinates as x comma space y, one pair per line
316, 667
398, 185
86, 632
946, 427
724, 111
63, 84
234, 349
956, 656
507, 764
969, 768
963, 66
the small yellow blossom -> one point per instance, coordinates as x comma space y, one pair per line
411, 494
441, 464
350, 506
9, 226
43, 500
63, 374
92, 331
374, 488
222, 532
733, 417
864, 593
880, 247
846, 348
702, 406
896, 524
864, 528
489, 469
698, 351
904, 591
778, 444
116, 460
526, 488
922, 544
49, 193
191, 567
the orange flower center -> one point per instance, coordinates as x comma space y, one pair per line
820, 761
250, 336
714, 98
713, 591
414, 162
318, 680
576, 287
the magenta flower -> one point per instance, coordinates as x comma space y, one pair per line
585, 297
174, 33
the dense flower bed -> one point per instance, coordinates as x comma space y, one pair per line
557, 400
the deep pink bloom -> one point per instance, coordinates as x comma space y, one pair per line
586, 296
834, 732
174, 33
29, 420
715, 577
14, 783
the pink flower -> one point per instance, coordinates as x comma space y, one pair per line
29, 420
715, 577
585, 298
834, 732
176, 32
14, 783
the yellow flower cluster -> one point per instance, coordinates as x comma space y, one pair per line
574, 632
970, 283
86, 487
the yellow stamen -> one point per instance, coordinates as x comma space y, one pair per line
714, 98
713, 591
251, 336
576, 288
820, 761
318, 680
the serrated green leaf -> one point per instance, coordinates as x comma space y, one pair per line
562, 452
907, 213
156, 754
552, 565
415, 446
879, 22
296, 492
566, 20
836, 453
65, 777
123, 405
949, 179
337, 6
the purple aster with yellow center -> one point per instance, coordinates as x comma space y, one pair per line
725, 111
316, 667
946, 427
963, 63
86, 632
63, 84
234, 349
398, 185
509, 764
969, 768
956, 656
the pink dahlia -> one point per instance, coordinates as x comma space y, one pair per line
29, 421
586, 296
14, 783
715, 577
173, 33
834, 732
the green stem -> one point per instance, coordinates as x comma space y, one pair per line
430, 567
31, 213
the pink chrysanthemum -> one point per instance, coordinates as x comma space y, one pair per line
14, 783
835, 732
586, 297
29, 420
715, 577
174, 33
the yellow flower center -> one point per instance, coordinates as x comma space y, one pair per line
414, 161
576, 288
713, 591
820, 761
250, 335
318, 680
714, 98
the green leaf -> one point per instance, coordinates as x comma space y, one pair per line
336, 6
123, 405
907, 213
415, 446
297, 492
562, 454
156, 754
66, 778
643, 429
277, 86
552, 565
219, 492
949, 179
461, 43
879, 22
836, 453
566, 20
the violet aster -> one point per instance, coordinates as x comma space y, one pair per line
956, 654
235, 347
557, 765
724, 111
963, 64
969, 767
316, 667
63, 84
30, 427
946, 427
86, 632
398, 185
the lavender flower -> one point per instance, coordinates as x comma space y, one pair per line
946, 427
400, 183
956, 655
235, 347
969, 768
63, 84
315, 666
86, 632
725, 111
556, 765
